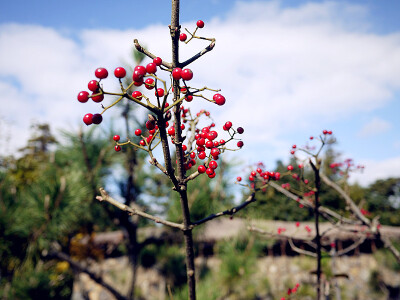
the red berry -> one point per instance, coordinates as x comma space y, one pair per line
240, 130
239, 178
183, 37
201, 169
219, 99
202, 155
240, 144
157, 61
88, 119
117, 148
294, 146
187, 74
83, 96
277, 175
116, 138
209, 171
176, 73
138, 73
290, 167
97, 98
160, 93
93, 85
101, 73
151, 68
192, 155
138, 132
138, 83
150, 125
200, 142
200, 24
292, 152
213, 164
214, 151
97, 118
212, 175
209, 144
222, 142
149, 83
251, 178
120, 72
137, 95
142, 143
171, 131
325, 132
189, 98
311, 137
228, 125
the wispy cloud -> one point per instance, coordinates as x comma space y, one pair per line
375, 127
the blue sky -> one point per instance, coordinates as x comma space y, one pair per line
288, 68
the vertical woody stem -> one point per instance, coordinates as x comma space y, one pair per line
182, 190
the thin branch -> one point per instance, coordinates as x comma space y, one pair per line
322, 210
352, 246
354, 208
300, 251
390, 246
106, 197
76, 265
198, 55
149, 54
230, 212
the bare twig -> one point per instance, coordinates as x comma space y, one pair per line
230, 212
198, 55
149, 54
106, 197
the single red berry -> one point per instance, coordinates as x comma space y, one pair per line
160, 93
239, 178
240, 144
329, 132
216, 143
138, 83
209, 144
176, 73
157, 61
222, 142
83, 96
306, 181
202, 155
183, 37
171, 131
240, 130
290, 167
294, 146
253, 173
142, 143
259, 170
311, 137
325, 132
212, 175
200, 24
277, 175
150, 125
98, 98
219, 99
116, 138
201, 169
151, 68
213, 164
93, 85
251, 178
189, 98
228, 125
138, 132
182, 125
149, 83
101, 73
137, 95
297, 224
120, 72
200, 142
187, 74
214, 151
138, 73
97, 118
117, 148
292, 152
88, 119
209, 171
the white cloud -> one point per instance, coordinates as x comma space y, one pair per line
281, 69
377, 170
375, 127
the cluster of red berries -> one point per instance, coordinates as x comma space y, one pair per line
261, 176
292, 291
